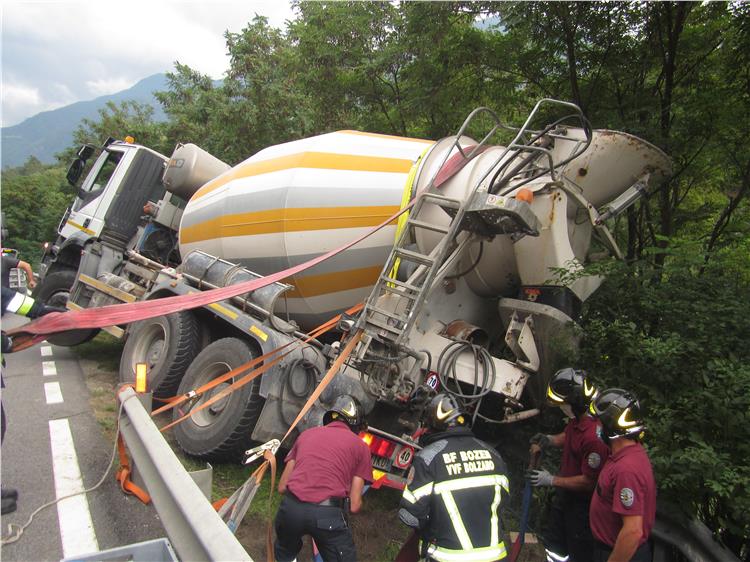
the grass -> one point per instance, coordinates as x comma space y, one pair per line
104, 350
100, 360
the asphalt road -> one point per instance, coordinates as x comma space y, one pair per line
53, 447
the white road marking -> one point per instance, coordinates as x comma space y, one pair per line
76, 527
53, 393
49, 368
46, 350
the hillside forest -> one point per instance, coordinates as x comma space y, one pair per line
672, 321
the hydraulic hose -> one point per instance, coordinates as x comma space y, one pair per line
449, 382
311, 380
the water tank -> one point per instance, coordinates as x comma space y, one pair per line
189, 168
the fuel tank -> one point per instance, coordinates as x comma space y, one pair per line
291, 202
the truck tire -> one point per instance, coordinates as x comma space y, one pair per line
167, 344
54, 291
222, 431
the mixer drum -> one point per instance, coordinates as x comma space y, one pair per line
291, 202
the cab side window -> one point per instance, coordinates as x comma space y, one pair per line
101, 180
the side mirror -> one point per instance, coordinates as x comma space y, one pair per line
75, 171
85, 152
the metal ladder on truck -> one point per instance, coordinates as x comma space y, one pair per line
480, 212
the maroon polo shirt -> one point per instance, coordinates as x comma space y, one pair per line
583, 451
626, 487
326, 459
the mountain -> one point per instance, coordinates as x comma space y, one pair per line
50, 132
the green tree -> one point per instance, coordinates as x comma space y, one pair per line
194, 105
33, 201
677, 339
129, 118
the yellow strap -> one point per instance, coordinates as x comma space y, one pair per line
405, 198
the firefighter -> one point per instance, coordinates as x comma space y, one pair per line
323, 479
455, 490
10, 261
567, 536
23, 305
623, 507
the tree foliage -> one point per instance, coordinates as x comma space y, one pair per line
670, 321
34, 198
675, 335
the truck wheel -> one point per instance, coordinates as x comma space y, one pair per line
167, 344
222, 431
54, 291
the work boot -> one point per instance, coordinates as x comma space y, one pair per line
8, 505
9, 493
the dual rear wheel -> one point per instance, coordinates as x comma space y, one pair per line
170, 346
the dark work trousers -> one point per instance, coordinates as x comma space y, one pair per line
325, 524
567, 532
602, 552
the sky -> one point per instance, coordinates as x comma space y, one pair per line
57, 52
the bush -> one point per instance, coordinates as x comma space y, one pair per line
676, 336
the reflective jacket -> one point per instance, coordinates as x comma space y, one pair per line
455, 489
18, 303
23, 305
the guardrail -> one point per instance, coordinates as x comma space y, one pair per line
193, 526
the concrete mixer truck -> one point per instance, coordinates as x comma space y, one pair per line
463, 292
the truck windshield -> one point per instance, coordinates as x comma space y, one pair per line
97, 178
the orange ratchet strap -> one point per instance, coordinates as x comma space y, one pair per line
123, 475
242, 369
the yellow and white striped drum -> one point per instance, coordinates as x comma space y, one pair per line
294, 201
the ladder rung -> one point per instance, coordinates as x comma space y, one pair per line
428, 226
383, 326
414, 256
400, 292
386, 313
442, 200
397, 283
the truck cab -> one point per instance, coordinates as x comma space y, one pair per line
121, 167
109, 202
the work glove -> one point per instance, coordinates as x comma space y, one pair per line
540, 439
539, 477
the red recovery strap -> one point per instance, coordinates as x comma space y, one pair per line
455, 163
111, 315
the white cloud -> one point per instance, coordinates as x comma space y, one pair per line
19, 100
15, 94
91, 47
105, 86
